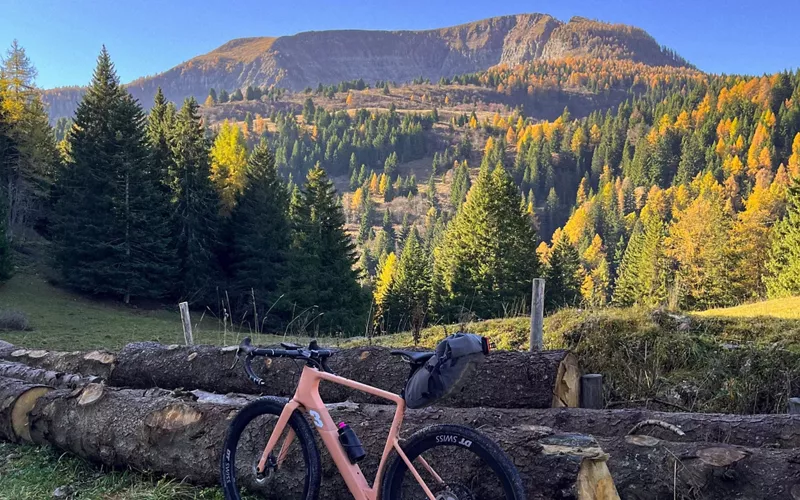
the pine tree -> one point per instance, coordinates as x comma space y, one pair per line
784, 256
323, 275
562, 275
196, 206
113, 233
485, 260
260, 233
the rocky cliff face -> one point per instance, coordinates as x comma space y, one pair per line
329, 57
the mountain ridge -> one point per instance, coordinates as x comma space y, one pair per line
331, 56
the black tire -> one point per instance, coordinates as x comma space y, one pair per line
463, 480
234, 478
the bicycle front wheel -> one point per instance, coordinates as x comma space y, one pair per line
456, 463
292, 469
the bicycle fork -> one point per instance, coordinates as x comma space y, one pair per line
277, 432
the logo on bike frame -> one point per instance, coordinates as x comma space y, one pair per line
317, 419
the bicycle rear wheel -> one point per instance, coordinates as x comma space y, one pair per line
293, 470
462, 464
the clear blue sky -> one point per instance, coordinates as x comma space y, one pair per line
146, 37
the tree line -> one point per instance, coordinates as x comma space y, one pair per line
148, 207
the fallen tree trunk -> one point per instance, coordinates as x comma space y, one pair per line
94, 363
775, 431
46, 377
156, 431
647, 468
17, 399
506, 380
182, 437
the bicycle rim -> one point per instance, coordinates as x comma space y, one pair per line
456, 464
288, 473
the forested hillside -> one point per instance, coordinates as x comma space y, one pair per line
372, 206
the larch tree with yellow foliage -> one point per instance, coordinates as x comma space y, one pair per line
384, 286
698, 242
228, 164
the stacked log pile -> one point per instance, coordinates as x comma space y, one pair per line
560, 452
506, 380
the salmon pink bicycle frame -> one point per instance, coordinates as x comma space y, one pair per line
306, 398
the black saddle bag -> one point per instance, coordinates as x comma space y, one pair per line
453, 363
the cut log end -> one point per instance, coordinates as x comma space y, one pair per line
101, 357
20, 422
91, 394
567, 388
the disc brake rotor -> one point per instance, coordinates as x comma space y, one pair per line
455, 491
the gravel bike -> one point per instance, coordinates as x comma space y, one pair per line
270, 451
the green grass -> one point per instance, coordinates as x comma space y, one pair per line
785, 308
34, 473
65, 321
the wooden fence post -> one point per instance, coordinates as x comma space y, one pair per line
187, 323
537, 315
794, 406
592, 391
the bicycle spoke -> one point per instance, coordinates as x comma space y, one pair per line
281, 470
456, 474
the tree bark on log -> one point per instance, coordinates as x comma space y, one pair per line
647, 468
59, 380
781, 431
506, 380
774, 431
777, 431
17, 398
182, 437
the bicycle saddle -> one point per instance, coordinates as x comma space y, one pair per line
414, 357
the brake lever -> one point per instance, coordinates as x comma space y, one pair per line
251, 374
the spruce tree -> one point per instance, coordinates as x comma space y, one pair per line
8, 153
323, 276
692, 159
388, 229
260, 233
412, 284
784, 257
562, 275
113, 234
461, 185
486, 259
627, 290
196, 206
160, 123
